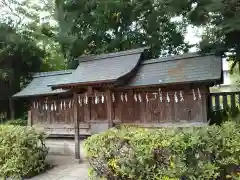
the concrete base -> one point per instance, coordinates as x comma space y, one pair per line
64, 147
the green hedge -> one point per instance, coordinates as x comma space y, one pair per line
132, 153
17, 122
22, 151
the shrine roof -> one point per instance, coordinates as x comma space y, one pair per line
185, 68
106, 68
39, 85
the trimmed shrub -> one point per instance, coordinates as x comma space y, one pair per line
17, 122
22, 151
131, 153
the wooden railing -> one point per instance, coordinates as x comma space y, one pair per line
223, 100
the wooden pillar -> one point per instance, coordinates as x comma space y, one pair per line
76, 126
109, 108
30, 118
12, 108
89, 94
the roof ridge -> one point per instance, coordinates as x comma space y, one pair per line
52, 73
176, 57
111, 55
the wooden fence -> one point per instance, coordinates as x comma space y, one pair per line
223, 100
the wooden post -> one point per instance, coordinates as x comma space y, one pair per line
109, 108
30, 118
89, 93
217, 102
233, 100
12, 108
76, 122
225, 103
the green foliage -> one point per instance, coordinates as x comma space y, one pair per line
17, 122
220, 19
97, 26
22, 152
131, 153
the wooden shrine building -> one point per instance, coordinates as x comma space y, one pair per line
122, 88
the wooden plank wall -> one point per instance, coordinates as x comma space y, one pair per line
129, 106
151, 110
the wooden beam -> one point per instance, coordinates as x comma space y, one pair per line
76, 122
109, 108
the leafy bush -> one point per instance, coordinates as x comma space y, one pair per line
22, 151
131, 153
17, 122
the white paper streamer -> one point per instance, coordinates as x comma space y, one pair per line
168, 98
122, 97
102, 99
126, 98
34, 104
69, 104
43, 107
160, 95
51, 107
175, 97
55, 106
194, 95
147, 97
135, 98
113, 97
86, 99
155, 95
80, 100
61, 105
139, 97
37, 105
64, 105
199, 94
181, 96
96, 99
46, 106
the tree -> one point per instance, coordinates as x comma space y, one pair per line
35, 19
100, 26
220, 19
